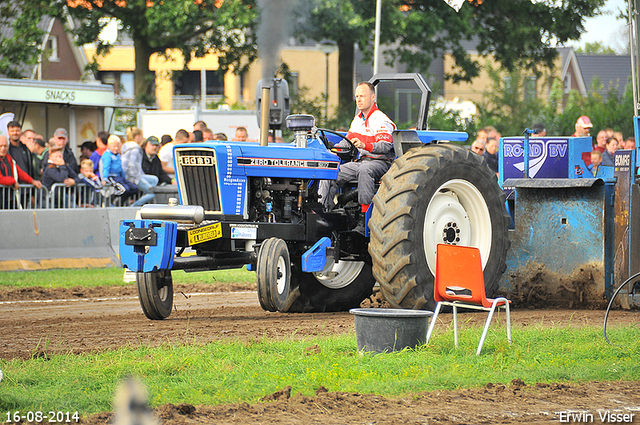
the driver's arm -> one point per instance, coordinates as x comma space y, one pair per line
380, 143
342, 144
383, 142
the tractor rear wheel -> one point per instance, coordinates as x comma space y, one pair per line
345, 286
155, 291
433, 194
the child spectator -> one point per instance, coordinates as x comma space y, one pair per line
101, 147
111, 169
87, 176
596, 160
57, 171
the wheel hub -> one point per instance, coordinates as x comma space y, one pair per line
281, 277
451, 234
457, 214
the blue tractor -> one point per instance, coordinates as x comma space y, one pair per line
257, 205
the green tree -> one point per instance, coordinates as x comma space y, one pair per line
20, 36
595, 48
512, 103
345, 22
510, 111
514, 32
612, 110
302, 103
194, 27
449, 120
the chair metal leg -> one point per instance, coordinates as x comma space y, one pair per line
508, 314
486, 328
432, 322
490, 317
455, 325
487, 324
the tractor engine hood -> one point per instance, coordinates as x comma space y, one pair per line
215, 174
287, 160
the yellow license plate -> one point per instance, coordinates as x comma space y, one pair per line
204, 234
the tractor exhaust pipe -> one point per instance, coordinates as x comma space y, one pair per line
264, 115
178, 213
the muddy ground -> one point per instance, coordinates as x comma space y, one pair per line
81, 320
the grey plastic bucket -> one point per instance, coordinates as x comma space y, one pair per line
390, 329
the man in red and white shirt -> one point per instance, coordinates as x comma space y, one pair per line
370, 132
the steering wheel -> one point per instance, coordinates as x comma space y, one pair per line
347, 154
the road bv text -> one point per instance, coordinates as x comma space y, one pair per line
536, 149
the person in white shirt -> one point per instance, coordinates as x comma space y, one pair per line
166, 153
370, 132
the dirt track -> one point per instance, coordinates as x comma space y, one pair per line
82, 320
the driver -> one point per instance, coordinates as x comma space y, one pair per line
370, 132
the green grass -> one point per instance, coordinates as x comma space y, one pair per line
110, 276
229, 372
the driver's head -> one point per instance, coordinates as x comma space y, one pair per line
365, 97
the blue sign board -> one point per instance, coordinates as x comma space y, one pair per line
549, 157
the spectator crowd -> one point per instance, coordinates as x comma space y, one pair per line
606, 143
125, 169
128, 168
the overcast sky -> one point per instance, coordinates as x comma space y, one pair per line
607, 29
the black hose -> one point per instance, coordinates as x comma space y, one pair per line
606, 315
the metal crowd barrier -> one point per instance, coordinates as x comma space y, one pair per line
80, 195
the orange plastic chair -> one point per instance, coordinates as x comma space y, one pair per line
460, 284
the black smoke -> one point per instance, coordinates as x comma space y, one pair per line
276, 18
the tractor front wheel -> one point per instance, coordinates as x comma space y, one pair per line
155, 291
273, 269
